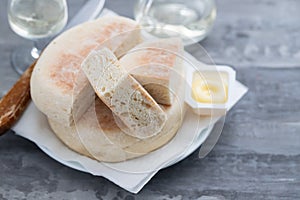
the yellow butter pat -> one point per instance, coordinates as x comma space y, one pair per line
210, 87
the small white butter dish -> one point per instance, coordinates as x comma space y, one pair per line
209, 89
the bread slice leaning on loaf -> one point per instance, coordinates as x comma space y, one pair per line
97, 135
157, 65
127, 99
59, 88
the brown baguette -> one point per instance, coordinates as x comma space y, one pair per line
15, 101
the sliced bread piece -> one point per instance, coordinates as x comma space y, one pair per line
59, 88
127, 99
157, 65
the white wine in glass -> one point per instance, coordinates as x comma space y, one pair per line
191, 20
34, 20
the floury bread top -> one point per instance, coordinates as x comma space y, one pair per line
157, 65
59, 88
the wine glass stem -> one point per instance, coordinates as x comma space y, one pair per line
36, 50
23, 57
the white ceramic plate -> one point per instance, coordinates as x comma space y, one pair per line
79, 167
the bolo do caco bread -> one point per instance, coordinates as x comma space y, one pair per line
63, 89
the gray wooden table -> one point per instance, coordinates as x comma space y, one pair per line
258, 154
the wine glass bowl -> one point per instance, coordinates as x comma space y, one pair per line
34, 20
190, 20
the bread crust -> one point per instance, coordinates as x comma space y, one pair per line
98, 136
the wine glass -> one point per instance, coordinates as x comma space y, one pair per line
34, 20
191, 20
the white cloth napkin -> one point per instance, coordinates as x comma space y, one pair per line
131, 175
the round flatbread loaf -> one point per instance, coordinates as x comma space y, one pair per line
98, 136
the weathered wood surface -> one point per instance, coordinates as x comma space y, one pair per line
258, 154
